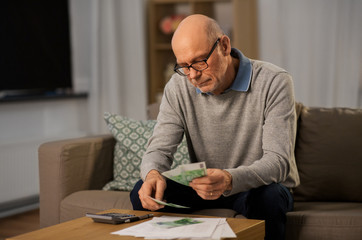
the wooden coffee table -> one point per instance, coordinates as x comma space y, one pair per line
85, 228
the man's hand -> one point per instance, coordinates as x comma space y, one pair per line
153, 186
211, 186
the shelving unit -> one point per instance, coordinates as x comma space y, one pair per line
243, 33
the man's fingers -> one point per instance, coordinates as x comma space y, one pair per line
205, 187
143, 193
213, 176
211, 195
152, 205
148, 203
204, 180
153, 186
211, 186
207, 192
160, 189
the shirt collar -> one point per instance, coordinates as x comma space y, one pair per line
242, 80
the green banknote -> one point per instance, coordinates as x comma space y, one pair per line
168, 204
184, 174
177, 223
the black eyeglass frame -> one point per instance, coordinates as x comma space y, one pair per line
178, 68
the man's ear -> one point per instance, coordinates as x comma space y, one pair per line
225, 45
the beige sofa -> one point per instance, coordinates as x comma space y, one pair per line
327, 203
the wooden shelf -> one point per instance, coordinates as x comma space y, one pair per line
242, 15
163, 46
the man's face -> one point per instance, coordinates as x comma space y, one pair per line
210, 79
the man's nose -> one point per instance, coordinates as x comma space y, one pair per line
194, 73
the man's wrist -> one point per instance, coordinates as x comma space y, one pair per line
152, 173
228, 180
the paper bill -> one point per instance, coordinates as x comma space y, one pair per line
177, 223
205, 229
184, 174
168, 204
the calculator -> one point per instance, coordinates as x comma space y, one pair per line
112, 218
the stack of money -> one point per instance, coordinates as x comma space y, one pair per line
184, 174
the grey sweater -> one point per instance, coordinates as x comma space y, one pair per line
250, 134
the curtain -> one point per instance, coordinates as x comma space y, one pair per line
320, 43
110, 58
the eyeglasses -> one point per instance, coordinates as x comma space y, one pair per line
198, 66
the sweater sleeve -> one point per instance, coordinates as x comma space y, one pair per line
278, 138
167, 135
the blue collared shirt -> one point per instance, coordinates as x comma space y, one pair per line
242, 80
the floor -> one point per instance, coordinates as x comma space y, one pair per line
19, 224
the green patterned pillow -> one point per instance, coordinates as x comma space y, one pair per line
132, 137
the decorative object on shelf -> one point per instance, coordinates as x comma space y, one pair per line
169, 23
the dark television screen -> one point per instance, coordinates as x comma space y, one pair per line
34, 45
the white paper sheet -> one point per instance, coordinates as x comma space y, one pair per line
210, 228
223, 230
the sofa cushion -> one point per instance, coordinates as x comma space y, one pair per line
92, 201
219, 212
132, 137
328, 154
325, 220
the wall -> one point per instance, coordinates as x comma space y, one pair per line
320, 44
23, 127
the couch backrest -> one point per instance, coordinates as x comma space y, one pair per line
329, 154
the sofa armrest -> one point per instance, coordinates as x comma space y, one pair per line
69, 166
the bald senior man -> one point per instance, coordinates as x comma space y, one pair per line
238, 116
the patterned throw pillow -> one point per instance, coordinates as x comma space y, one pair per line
132, 137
